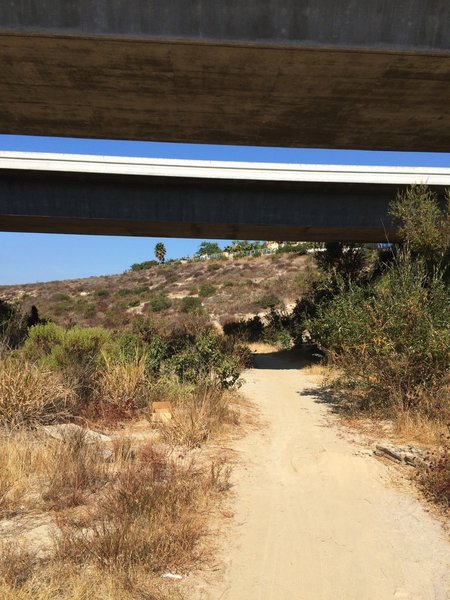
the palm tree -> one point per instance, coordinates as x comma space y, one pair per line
160, 252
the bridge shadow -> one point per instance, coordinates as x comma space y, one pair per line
282, 360
323, 395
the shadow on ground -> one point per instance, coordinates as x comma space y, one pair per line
283, 360
323, 396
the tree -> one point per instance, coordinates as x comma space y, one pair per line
160, 252
208, 249
342, 259
424, 225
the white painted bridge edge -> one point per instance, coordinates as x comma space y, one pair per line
160, 167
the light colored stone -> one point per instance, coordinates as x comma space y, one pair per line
66, 431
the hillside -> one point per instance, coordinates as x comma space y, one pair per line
223, 289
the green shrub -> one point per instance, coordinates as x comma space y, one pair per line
90, 311
42, 339
424, 225
61, 309
142, 290
75, 352
206, 290
391, 341
148, 264
57, 347
102, 293
213, 267
269, 300
191, 305
60, 297
133, 303
159, 302
121, 292
205, 357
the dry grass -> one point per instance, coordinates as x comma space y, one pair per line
66, 581
37, 472
74, 469
199, 417
30, 395
23, 457
413, 427
123, 387
120, 520
154, 516
436, 478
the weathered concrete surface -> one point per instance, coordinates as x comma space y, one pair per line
409, 24
369, 74
74, 203
188, 92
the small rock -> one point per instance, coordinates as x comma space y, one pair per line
389, 452
66, 431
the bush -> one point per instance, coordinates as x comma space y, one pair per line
213, 266
55, 346
249, 330
206, 290
148, 264
122, 292
60, 297
90, 311
74, 351
391, 341
269, 300
159, 302
142, 290
134, 303
423, 225
191, 305
102, 293
13, 325
204, 357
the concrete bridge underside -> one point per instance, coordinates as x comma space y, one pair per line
369, 74
156, 197
192, 209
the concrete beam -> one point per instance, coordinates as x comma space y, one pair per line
368, 74
365, 24
151, 197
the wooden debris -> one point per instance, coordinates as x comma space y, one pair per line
161, 412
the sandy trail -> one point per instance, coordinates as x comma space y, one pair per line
317, 518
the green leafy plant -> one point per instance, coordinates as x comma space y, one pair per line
206, 290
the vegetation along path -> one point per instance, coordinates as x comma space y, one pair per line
317, 517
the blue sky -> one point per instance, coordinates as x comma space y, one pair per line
28, 258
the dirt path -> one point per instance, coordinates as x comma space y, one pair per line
316, 517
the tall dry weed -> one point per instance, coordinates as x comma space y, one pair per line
198, 418
31, 395
74, 469
123, 386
